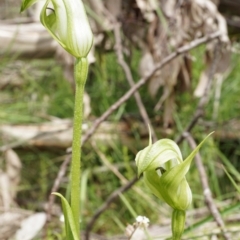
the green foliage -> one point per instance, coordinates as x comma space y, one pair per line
229, 92
27, 3
232, 180
107, 83
70, 224
41, 91
36, 184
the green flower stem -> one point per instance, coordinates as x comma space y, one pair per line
178, 223
80, 74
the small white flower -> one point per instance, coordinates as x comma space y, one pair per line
142, 221
61, 218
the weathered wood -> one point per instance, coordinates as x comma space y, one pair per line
10, 221
30, 40
59, 133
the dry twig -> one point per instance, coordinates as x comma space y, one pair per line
203, 101
109, 200
113, 168
186, 134
206, 190
126, 69
56, 185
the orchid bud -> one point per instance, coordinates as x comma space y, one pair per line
164, 172
67, 22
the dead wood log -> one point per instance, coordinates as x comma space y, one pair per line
58, 134
27, 40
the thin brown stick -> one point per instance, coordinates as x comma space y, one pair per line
142, 81
126, 69
106, 204
123, 180
56, 185
206, 189
109, 165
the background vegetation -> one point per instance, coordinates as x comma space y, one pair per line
41, 93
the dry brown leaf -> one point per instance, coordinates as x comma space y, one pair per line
114, 7
104, 22
222, 69
186, 21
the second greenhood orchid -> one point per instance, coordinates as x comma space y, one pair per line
164, 172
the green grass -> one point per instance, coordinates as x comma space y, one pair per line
43, 92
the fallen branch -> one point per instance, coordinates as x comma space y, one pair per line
26, 40
206, 190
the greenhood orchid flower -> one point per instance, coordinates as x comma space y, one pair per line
67, 22
164, 172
